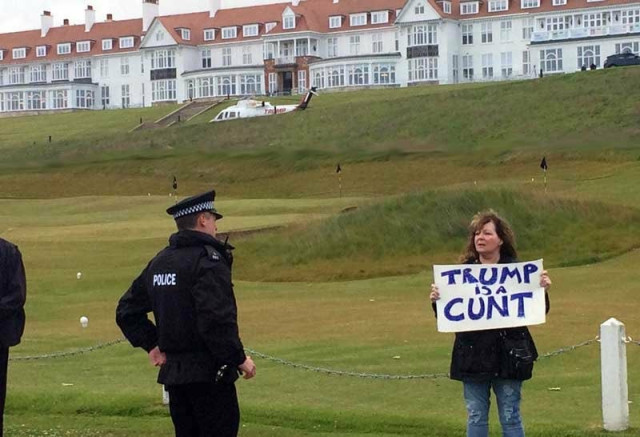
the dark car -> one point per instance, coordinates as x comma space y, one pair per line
621, 60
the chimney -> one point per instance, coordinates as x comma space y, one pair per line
47, 22
150, 11
109, 17
216, 5
65, 22
89, 18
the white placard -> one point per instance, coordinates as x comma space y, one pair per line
475, 297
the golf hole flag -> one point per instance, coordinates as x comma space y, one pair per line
475, 297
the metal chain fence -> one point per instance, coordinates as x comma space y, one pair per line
67, 353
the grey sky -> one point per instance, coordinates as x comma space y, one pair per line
17, 15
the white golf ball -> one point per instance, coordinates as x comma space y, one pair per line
79, 275
84, 321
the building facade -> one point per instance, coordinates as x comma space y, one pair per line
288, 47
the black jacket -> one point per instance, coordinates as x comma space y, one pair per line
13, 294
188, 287
479, 355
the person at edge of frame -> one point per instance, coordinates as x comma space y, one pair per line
480, 358
195, 340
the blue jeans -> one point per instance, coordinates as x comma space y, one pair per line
477, 399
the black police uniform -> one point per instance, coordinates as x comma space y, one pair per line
13, 294
188, 287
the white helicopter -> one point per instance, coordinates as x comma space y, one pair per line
260, 108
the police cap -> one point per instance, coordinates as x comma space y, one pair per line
195, 204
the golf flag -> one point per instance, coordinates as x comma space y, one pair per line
543, 163
175, 183
338, 168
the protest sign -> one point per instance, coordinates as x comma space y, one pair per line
476, 297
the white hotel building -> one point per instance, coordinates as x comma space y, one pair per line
288, 47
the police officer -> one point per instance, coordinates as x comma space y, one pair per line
13, 294
195, 339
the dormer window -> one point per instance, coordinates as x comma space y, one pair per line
498, 5
64, 49
250, 30
335, 22
446, 7
419, 10
185, 34
269, 26
209, 34
379, 17
289, 22
83, 46
229, 32
468, 8
526, 4
126, 42
41, 51
559, 2
107, 44
20, 53
358, 19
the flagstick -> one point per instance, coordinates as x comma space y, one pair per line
545, 181
340, 183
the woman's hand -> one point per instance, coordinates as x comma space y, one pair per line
435, 294
545, 281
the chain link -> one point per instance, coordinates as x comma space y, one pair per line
68, 353
564, 350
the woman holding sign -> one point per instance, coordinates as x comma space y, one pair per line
495, 358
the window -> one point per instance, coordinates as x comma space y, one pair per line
302, 48
246, 55
358, 19
289, 22
126, 97
104, 94
273, 82
250, 30
467, 8
354, 44
269, 27
423, 34
506, 64
186, 34
486, 33
126, 42
107, 44
226, 56
384, 74
64, 49
526, 64
16, 75
559, 2
498, 5
628, 47
335, 77
159, 36
505, 31
526, 4
84, 99
83, 46
467, 67
594, 20
250, 84
36, 100
446, 7
332, 47
421, 69
19, 53
104, 68
551, 60
318, 79
124, 66
358, 74
60, 71
302, 81
467, 34
419, 10
209, 34
163, 90
379, 17
527, 28
396, 37
60, 100
335, 22
41, 51
487, 66
206, 58
229, 32
557, 23
161, 59
631, 16
588, 56
83, 69
227, 85
376, 43
38, 73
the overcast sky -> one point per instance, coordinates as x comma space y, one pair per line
16, 15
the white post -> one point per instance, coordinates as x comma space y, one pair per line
613, 361
165, 396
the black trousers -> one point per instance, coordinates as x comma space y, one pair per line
204, 410
4, 360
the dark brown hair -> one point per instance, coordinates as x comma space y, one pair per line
188, 222
503, 229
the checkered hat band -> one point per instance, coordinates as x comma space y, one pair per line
204, 206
